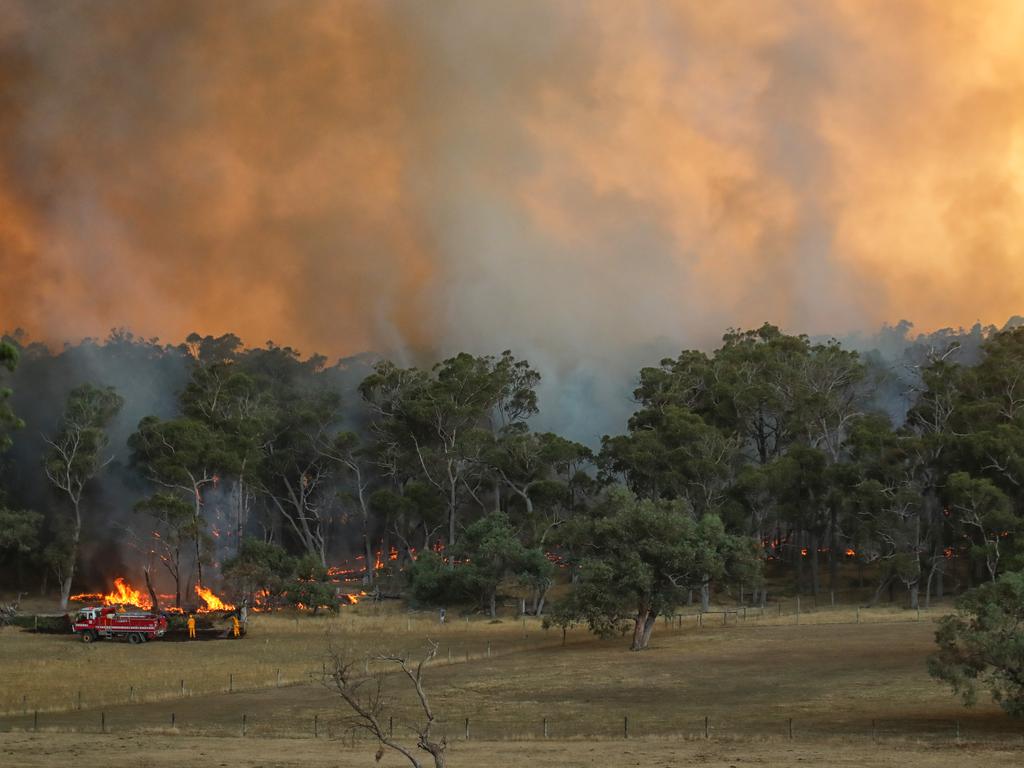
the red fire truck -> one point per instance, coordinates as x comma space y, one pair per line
107, 622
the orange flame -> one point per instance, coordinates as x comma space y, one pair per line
123, 594
213, 603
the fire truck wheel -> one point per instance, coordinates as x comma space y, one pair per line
135, 638
88, 636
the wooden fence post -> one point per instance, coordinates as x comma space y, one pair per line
172, 720
625, 727
243, 725
488, 649
791, 729
131, 693
35, 720
467, 729
545, 727
874, 730
798, 609
391, 726
707, 730
231, 682
182, 688
316, 726
103, 722
279, 677
79, 699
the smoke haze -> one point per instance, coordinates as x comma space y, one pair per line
590, 184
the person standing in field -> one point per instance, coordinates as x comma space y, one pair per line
191, 627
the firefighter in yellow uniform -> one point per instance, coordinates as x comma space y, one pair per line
236, 629
191, 627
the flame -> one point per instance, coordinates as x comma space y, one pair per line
213, 603
123, 594
261, 601
851, 552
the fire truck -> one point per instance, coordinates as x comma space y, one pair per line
107, 622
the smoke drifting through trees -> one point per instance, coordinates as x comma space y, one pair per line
573, 181
359, 456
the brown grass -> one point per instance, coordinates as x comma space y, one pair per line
45, 750
857, 693
46, 672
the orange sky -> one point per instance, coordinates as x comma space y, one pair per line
571, 178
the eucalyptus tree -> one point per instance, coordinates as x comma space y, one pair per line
981, 646
76, 454
236, 404
884, 490
299, 467
491, 551
356, 461
440, 422
639, 559
183, 458
8, 419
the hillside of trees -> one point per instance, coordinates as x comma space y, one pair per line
260, 470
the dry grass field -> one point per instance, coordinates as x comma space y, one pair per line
46, 672
159, 751
855, 689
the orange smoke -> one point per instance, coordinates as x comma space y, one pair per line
351, 175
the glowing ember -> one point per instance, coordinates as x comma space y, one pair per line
212, 602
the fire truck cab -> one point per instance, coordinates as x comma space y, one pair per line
109, 623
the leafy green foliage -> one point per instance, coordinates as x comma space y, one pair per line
638, 558
258, 566
490, 551
19, 530
982, 646
8, 420
312, 594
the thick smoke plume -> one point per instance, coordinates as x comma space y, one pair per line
572, 180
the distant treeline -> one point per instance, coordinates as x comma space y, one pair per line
183, 462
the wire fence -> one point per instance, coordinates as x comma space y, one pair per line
333, 725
